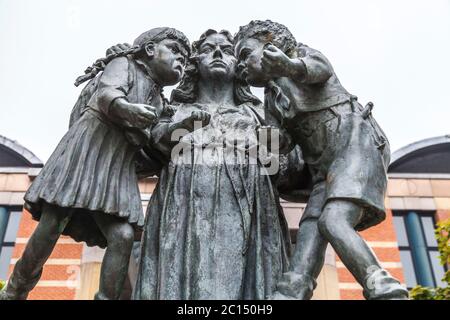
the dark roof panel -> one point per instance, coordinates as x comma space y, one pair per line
425, 156
12, 154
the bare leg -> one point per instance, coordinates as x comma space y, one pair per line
306, 263
119, 235
28, 269
310, 248
337, 224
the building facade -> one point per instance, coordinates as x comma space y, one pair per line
418, 196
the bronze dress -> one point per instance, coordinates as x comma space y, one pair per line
214, 229
93, 167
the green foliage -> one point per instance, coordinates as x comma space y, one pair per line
442, 233
2, 284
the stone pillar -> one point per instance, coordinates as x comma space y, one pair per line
4, 217
91, 260
328, 283
420, 252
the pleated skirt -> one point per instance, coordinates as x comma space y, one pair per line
91, 170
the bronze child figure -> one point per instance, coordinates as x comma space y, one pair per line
345, 150
88, 188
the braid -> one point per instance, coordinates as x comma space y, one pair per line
155, 35
100, 64
276, 101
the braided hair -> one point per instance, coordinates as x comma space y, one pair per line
153, 35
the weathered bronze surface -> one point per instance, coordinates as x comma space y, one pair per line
214, 227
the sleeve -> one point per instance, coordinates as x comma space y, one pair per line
318, 68
160, 135
113, 84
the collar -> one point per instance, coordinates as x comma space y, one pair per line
156, 89
147, 72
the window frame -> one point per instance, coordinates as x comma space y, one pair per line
9, 244
409, 248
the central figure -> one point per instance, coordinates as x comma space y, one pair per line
214, 228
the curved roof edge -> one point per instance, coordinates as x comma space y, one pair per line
400, 153
22, 151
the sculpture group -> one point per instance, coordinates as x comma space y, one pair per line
214, 227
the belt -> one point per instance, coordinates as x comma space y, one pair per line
306, 122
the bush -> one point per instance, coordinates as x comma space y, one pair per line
442, 233
2, 284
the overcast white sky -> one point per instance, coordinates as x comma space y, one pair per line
394, 53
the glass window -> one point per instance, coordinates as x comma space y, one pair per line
438, 268
400, 229
4, 216
13, 226
9, 225
408, 268
5, 259
417, 240
428, 229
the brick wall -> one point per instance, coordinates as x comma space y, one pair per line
383, 241
60, 276
61, 273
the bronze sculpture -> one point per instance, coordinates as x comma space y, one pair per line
345, 149
214, 228
88, 188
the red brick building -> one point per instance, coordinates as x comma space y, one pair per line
418, 196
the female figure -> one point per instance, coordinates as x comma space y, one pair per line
214, 227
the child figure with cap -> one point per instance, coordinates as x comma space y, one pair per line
345, 150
